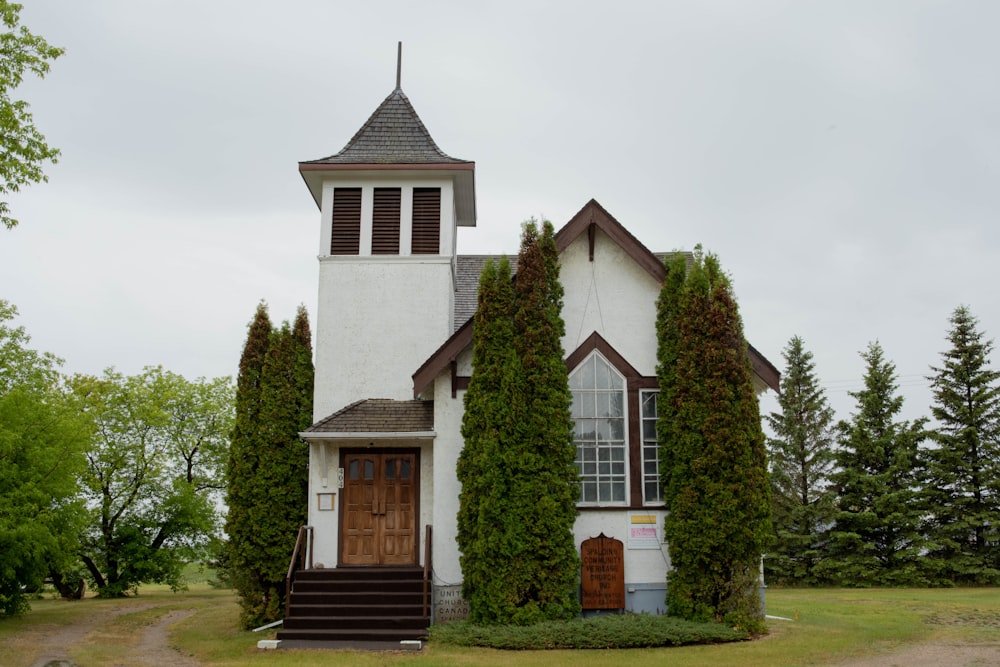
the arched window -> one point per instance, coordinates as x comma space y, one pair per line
599, 416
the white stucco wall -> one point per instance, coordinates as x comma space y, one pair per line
611, 295
447, 446
642, 565
380, 316
324, 523
377, 321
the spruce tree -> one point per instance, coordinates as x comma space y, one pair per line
802, 459
519, 480
876, 536
716, 487
269, 463
962, 486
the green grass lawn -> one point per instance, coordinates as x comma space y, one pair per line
827, 625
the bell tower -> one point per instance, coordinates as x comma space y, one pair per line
390, 203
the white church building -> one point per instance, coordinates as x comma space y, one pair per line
393, 361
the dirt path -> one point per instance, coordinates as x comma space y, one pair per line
935, 654
153, 647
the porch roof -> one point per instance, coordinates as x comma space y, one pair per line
376, 418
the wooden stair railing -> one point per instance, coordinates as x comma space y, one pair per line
428, 570
302, 553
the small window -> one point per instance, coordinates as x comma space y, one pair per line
345, 237
598, 413
651, 491
426, 239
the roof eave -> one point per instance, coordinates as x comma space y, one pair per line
324, 436
463, 173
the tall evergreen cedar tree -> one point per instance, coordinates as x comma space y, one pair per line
712, 447
268, 465
876, 539
519, 481
963, 466
802, 459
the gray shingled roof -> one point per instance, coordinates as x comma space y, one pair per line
468, 268
379, 415
394, 134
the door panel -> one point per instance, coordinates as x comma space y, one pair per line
380, 491
397, 510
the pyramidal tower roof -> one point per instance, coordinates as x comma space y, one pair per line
394, 140
394, 134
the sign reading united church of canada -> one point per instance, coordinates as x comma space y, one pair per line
602, 561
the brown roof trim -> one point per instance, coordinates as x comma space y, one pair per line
764, 369
595, 341
593, 213
375, 166
442, 358
461, 339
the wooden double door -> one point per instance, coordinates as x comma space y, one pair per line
379, 522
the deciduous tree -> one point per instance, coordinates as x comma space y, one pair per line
801, 461
23, 150
42, 440
145, 479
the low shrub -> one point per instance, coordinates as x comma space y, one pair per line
596, 632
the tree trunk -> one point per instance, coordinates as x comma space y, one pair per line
70, 588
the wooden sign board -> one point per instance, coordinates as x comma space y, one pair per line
602, 561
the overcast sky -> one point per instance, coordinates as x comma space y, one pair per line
839, 157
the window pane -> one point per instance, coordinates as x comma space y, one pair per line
650, 449
649, 404
598, 411
390, 469
617, 404
603, 378
353, 470
587, 378
651, 491
616, 382
405, 474
369, 469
